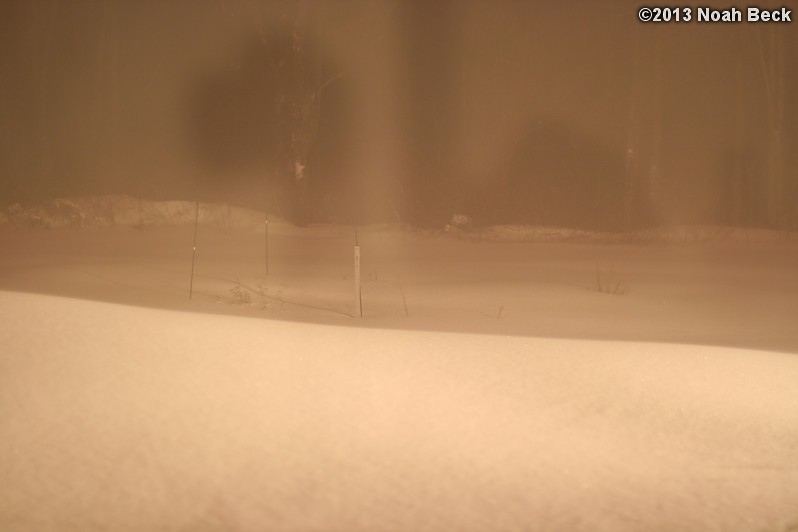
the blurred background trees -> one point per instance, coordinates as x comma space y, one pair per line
561, 114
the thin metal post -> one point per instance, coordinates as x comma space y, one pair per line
358, 297
194, 251
358, 291
267, 245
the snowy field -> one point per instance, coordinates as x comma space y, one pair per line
503, 379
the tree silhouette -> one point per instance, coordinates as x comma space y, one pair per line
264, 111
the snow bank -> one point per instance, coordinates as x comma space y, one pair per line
694, 234
107, 211
115, 417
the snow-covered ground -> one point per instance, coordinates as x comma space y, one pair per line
490, 384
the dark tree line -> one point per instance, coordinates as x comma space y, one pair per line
758, 183
283, 111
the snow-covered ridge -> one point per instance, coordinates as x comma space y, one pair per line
109, 211
679, 234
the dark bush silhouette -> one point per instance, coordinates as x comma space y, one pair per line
240, 123
555, 176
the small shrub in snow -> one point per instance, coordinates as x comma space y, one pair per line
240, 294
61, 212
459, 222
607, 284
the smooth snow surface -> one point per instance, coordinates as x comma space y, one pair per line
490, 386
125, 418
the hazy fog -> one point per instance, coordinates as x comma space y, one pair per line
506, 111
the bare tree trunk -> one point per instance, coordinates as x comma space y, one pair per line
737, 178
106, 106
654, 185
111, 18
47, 12
770, 44
777, 154
304, 108
632, 167
631, 174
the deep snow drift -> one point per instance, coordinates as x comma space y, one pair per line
123, 405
